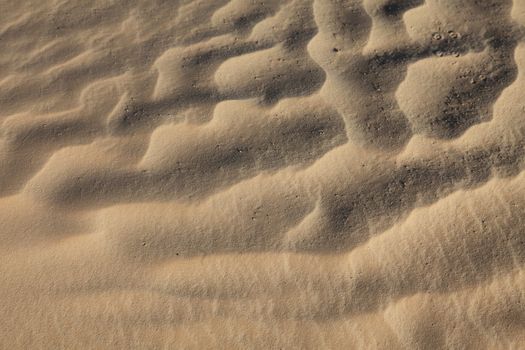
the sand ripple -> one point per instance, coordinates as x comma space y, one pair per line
293, 174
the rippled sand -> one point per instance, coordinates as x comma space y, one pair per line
278, 174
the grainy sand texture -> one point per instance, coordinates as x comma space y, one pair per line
262, 174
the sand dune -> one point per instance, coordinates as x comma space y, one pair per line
292, 174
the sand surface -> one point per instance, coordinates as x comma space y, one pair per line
249, 174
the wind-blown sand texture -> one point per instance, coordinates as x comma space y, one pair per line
249, 174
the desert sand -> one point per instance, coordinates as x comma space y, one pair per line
249, 174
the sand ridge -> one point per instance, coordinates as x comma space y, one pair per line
297, 174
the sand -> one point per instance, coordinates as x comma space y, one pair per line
247, 174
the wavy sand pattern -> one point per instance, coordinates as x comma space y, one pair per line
278, 174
